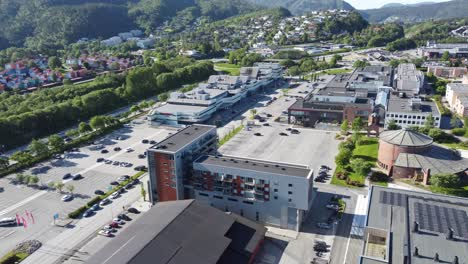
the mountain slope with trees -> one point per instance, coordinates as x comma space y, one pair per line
418, 13
51, 24
298, 7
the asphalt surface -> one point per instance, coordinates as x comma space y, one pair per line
43, 204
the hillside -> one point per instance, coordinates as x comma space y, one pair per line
418, 13
51, 24
298, 7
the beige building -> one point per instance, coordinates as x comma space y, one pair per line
457, 98
447, 72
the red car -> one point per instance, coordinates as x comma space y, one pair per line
114, 225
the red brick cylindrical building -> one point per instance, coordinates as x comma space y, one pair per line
394, 142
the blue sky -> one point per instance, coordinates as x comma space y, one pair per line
367, 4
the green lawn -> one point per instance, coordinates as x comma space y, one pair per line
232, 69
336, 71
366, 151
455, 146
461, 191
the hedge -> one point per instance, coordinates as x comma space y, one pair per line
78, 212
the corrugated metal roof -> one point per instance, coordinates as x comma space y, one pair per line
405, 137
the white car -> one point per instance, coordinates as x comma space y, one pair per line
118, 221
115, 195
105, 233
67, 198
104, 202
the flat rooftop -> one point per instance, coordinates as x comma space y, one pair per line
180, 232
179, 140
396, 210
178, 108
403, 105
255, 165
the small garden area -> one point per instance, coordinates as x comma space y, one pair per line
448, 184
230, 135
231, 69
354, 161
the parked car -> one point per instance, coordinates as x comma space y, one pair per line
104, 202
140, 168
67, 176
95, 207
117, 149
128, 186
67, 198
106, 161
258, 134
135, 181
123, 178
269, 115
266, 124
288, 129
141, 156
99, 192
323, 225
115, 163
325, 167
109, 228
88, 213
133, 210
114, 183
77, 177
106, 233
99, 160
129, 150
115, 195
152, 142
118, 221
104, 151
123, 217
319, 179
145, 141
294, 131
283, 134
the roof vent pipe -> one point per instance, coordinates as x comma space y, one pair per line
415, 227
416, 252
450, 234
436, 257
455, 260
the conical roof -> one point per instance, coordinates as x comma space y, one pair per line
406, 137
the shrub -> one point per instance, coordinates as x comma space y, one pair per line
445, 180
75, 214
94, 201
458, 131
378, 176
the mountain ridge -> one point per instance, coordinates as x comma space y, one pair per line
298, 7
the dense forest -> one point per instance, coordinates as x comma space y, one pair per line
24, 117
418, 13
51, 24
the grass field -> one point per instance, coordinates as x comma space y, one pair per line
461, 191
336, 71
367, 151
232, 69
455, 146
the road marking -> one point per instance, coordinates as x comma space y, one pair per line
27, 200
117, 251
9, 234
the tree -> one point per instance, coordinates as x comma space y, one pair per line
70, 188
392, 125
134, 108
51, 185
21, 157
32, 180
343, 157
253, 112
394, 63
56, 143
429, 122
360, 166
84, 128
287, 63
4, 162
59, 186
445, 56
357, 124
54, 62
360, 64
97, 122
143, 192
38, 147
20, 178
163, 97
67, 82
72, 133
445, 180
344, 127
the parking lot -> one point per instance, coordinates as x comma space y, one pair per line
43, 204
309, 147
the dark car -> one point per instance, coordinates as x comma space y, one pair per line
262, 120
283, 134
135, 181
258, 134
117, 149
266, 124
114, 183
123, 217
133, 210
77, 177
269, 115
295, 131
325, 167
100, 160
288, 129
318, 179
104, 151
88, 213
141, 156
145, 141
128, 186
67, 176
99, 192
140, 168
152, 142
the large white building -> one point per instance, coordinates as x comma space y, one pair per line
408, 79
219, 92
408, 112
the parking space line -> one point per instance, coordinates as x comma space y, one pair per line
23, 202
